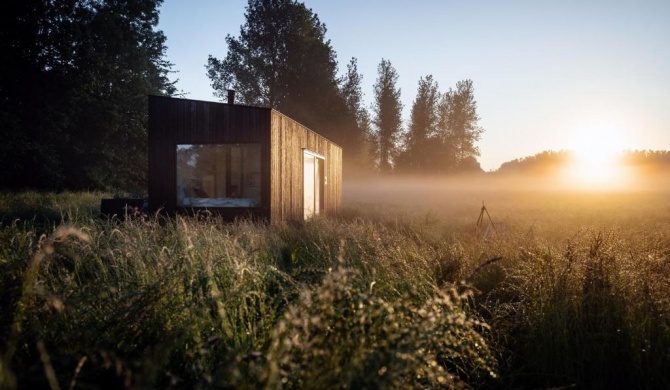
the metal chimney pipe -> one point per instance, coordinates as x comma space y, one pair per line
231, 96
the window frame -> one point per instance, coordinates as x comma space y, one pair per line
257, 207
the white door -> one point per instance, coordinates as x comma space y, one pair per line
309, 172
318, 182
313, 183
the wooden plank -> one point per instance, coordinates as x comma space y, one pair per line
291, 139
182, 121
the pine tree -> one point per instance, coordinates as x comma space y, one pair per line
421, 142
458, 124
357, 144
387, 121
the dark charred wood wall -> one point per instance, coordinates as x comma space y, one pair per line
183, 121
288, 140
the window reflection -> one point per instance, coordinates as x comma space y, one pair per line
218, 175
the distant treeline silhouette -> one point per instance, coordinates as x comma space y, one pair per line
650, 161
549, 162
541, 163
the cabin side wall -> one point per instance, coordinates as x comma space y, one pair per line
183, 121
288, 140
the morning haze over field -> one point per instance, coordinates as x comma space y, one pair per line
282, 194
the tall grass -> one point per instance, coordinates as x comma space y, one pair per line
372, 299
593, 313
44, 208
196, 302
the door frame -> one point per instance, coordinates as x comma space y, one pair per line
319, 181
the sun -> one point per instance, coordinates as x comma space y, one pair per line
596, 154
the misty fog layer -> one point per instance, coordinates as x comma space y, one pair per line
537, 206
432, 190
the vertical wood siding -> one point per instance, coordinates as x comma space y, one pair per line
289, 139
183, 121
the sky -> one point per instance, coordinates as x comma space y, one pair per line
548, 75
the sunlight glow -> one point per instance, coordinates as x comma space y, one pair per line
596, 159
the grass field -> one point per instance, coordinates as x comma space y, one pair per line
398, 291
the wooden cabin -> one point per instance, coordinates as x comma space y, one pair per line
239, 160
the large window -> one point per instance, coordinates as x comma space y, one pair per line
219, 175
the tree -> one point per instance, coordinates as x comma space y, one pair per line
387, 120
458, 123
357, 145
282, 60
280, 50
75, 82
421, 142
544, 163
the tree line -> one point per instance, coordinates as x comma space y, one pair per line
283, 60
550, 162
76, 74
74, 81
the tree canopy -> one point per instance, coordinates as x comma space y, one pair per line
421, 143
387, 115
282, 59
459, 123
442, 132
359, 144
74, 81
280, 56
